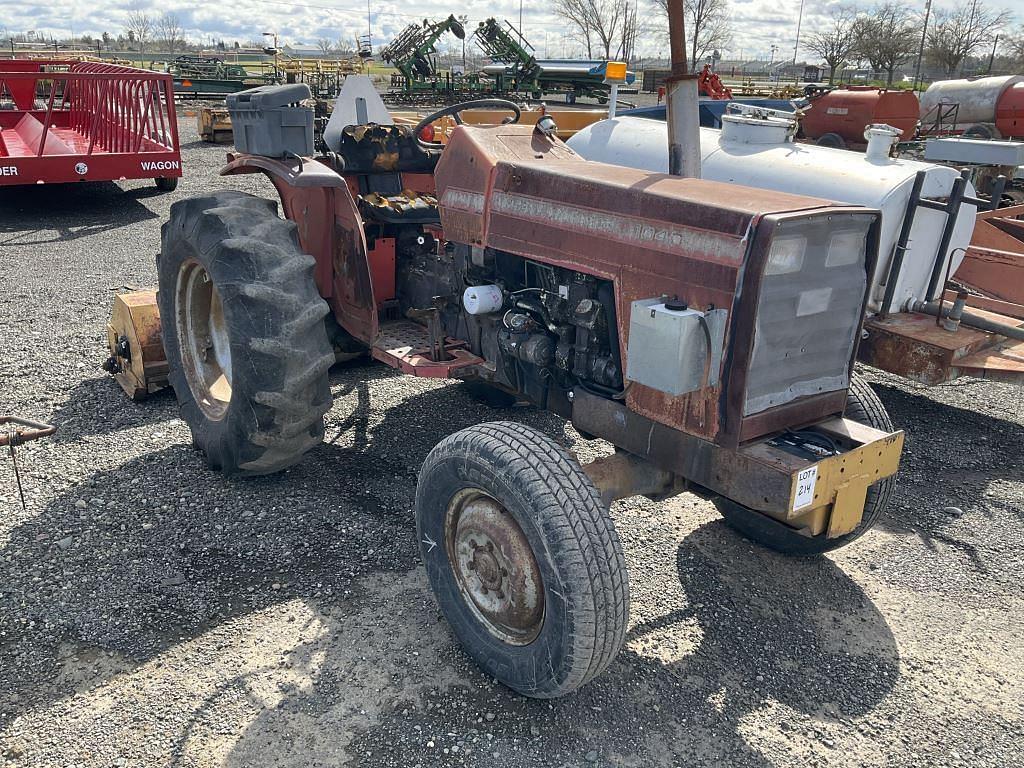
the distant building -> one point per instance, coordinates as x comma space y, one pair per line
302, 51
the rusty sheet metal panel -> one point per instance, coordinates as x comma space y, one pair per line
994, 263
651, 234
465, 172
606, 224
913, 346
996, 273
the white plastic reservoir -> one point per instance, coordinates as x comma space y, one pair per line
768, 159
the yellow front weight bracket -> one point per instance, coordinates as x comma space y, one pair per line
828, 496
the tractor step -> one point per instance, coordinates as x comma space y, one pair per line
406, 345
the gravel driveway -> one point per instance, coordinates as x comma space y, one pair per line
153, 613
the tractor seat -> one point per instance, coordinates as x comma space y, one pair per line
374, 148
406, 207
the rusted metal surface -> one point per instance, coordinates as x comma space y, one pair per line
622, 475
330, 229
996, 306
494, 567
15, 430
516, 191
913, 346
996, 273
406, 345
759, 475
994, 262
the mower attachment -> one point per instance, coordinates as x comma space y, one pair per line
137, 357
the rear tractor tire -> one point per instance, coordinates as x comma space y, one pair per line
489, 395
863, 405
833, 140
523, 558
243, 328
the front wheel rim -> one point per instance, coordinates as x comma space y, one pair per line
494, 567
203, 340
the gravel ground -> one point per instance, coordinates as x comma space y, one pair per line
153, 613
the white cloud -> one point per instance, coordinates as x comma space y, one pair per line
757, 23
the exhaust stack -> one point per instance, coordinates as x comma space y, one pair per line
681, 106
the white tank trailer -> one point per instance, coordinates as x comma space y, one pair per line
982, 107
760, 152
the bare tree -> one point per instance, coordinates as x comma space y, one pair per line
629, 33
834, 45
344, 47
708, 26
1014, 46
962, 32
139, 27
325, 45
168, 30
576, 13
887, 36
607, 18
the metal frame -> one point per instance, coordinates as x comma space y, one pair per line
124, 117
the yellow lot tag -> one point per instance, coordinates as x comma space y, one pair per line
805, 483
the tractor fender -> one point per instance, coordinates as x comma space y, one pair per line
330, 229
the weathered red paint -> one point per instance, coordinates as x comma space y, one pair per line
330, 229
515, 190
100, 122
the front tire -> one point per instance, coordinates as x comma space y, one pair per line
243, 329
523, 558
863, 405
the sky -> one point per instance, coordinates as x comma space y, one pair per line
757, 24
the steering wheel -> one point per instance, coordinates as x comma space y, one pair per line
454, 111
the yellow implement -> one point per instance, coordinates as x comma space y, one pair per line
137, 357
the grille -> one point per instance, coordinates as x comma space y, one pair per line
809, 311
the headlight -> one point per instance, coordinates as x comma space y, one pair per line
786, 255
846, 247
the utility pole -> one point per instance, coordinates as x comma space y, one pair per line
920, 50
992, 56
970, 32
369, 29
520, 18
799, 22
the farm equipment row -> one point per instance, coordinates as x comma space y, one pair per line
513, 71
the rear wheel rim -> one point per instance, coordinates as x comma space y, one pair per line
203, 340
494, 567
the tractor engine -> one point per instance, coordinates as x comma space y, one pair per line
728, 316
543, 328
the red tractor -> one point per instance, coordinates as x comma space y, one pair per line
707, 331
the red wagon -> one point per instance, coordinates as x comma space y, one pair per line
63, 121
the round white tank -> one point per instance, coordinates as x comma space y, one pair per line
976, 97
805, 169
